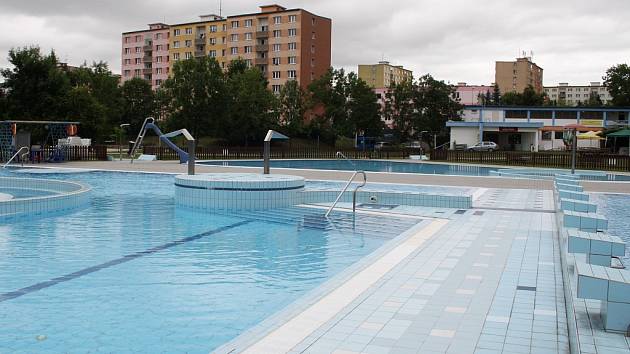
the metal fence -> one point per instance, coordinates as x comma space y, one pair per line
254, 153
584, 160
70, 153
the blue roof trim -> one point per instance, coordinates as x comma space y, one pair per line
496, 124
548, 109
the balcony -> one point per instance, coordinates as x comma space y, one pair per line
147, 48
200, 53
147, 59
261, 61
147, 71
262, 34
200, 41
262, 47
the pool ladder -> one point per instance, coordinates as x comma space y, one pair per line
345, 188
23, 157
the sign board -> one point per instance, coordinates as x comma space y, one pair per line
508, 129
592, 122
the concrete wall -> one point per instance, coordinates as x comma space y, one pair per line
464, 135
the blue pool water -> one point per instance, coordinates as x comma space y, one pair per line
386, 166
131, 273
25, 192
616, 208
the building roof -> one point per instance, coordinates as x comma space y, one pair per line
452, 123
549, 108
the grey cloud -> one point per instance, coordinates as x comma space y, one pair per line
457, 40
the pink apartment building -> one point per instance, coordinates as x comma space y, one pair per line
145, 54
469, 94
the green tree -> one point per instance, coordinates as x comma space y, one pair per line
363, 108
198, 96
399, 108
82, 106
36, 87
529, 97
617, 80
138, 103
433, 106
252, 108
594, 100
496, 95
293, 104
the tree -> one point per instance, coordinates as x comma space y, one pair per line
36, 87
529, 97
83, 107
399, 108
496, 95
252, 108
198, 96
433, 106
363, 108
138, 103
617, 80
293, 104
594, 100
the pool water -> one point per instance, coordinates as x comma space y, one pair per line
26, 192
616, 208
390, 166
131, 273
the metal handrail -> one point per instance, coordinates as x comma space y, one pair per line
345, 188
441, 146
340, 154
140, 137
16, 155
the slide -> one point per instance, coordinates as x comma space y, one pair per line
183, 155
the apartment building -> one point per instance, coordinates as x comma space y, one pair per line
208, 36
471, 94
145, 54
285, 44
515, 76
570, 95
383, 74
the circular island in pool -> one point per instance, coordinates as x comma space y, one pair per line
237, 191
4, 196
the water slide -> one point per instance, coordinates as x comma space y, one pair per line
149, 123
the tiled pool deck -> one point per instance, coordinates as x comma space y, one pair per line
487, 280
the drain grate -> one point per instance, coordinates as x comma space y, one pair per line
526, 288
377, 206
478, 213
460, 212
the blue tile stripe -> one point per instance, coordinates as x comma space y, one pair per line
130, 257
241, 189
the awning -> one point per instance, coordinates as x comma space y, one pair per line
590, 136
621, 133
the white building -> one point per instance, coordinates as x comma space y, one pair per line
531, 128
576, 95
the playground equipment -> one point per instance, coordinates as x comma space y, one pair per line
184, 157
12, 138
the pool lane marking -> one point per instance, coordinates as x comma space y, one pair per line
284, 338
130, 257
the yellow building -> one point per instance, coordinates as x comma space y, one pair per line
197, 39
383, 75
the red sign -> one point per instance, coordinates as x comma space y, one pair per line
508, 130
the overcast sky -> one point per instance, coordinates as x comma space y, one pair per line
454, 40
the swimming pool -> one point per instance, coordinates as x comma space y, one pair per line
133, 273
616, 208
396, 167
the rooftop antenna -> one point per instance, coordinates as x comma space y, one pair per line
220, 8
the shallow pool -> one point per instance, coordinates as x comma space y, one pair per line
616, 208
133, 273
394, 166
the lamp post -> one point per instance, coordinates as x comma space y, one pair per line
122, 127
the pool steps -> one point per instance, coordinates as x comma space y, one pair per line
595, 278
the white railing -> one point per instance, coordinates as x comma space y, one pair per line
345, 188
23, 148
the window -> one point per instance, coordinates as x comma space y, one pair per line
188, 43
127, 50
158, 59
249, 63
277, 47
127, 61
292, 60
248, 36
189, 30
176, 44
277, 33
275, 74
138, 49
277, 20
546, 135
292, 18
213, 41
224, 27
188, 55
234, 38
138, 61
234, 50
292, 74
213, 28
313, 21
234, 24
175, 56
127, 72
158, 47
248, 49
127, 39
137, 72
213, 54
158, 36
276, 88
558, 135
159, 71
275, 61
293, 46
312, 49
158, 82
292, 32
313, 35
138, 38
248, 23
